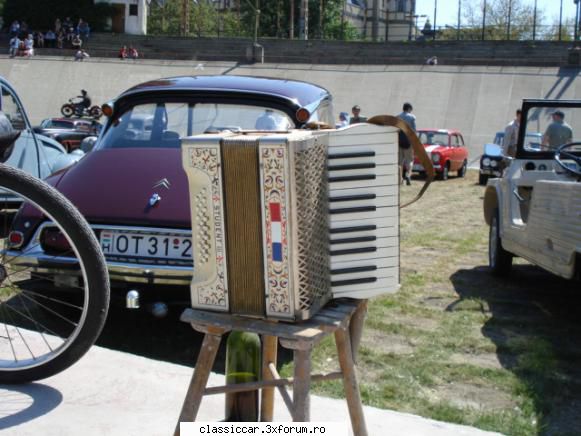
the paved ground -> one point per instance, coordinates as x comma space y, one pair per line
114, 393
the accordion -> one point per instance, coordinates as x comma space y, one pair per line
284, 222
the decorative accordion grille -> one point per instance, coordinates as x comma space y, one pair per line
313, 227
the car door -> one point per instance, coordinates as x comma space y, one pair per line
454, 152
462, 150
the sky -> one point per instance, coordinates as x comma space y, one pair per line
447, 12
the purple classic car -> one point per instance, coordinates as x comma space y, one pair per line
132, 189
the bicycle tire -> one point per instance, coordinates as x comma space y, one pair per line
68, 110
95, 289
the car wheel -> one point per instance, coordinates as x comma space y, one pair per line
482, 179
462, 170
445, 172
499, 260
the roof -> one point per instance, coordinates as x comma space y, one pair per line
448, 131
301, 93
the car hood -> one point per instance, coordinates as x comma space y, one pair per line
430, 148
114, 186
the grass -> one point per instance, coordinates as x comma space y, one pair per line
458, 345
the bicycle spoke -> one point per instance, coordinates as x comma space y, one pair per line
10, 340
48, 309
55, 300
37, 325
15, 326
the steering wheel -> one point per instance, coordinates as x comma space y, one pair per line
562, 153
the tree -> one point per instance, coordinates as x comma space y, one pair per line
497, 24
275, 16
205, 19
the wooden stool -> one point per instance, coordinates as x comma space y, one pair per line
343, 317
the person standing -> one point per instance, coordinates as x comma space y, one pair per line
557, 133
357, 118
511, 135
343, 119
406, 153
14, 46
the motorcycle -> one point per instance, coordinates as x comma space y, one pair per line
74, 108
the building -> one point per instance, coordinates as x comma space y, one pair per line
380, 20
129, 16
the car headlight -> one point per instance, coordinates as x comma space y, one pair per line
436, 158
493, 163
486, 162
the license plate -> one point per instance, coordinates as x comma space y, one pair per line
418, 167
146, 245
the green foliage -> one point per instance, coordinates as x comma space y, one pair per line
497, 12
275, 16
205, 20
41, 14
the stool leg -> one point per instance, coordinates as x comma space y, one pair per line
302, 385
269, 351
356, 328
350, 384
199, 380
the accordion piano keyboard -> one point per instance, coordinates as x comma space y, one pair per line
364, 211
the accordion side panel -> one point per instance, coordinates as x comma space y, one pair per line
364, 211
243, 225
311, 225
276, 228
209, 287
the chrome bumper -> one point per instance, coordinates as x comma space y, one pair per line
490, 172
41, 263
33, 258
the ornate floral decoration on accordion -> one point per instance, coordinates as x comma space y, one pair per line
207, 160
276, 232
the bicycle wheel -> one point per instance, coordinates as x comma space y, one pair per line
67, 110
49, 318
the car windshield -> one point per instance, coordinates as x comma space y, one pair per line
440, 138
554, 127
58, 124
163, 124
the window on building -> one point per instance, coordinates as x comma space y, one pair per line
401, 5
133, 10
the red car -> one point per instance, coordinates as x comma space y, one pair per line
447, 150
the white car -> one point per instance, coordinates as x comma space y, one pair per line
33, 153
534, 211
36, 154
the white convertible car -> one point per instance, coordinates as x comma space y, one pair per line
534, 211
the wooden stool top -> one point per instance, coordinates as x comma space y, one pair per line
336, 314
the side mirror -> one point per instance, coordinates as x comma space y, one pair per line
88, 143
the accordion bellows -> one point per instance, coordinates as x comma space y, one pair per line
282, 223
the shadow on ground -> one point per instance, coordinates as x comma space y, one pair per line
167, 339
23, 403
535, 323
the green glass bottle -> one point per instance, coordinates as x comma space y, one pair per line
243, 365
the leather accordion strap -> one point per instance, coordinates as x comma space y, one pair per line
419, 150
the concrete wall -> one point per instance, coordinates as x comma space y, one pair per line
477, 100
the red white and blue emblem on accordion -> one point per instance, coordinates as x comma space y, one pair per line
283, 222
